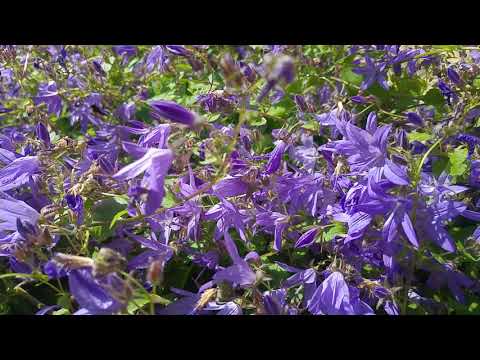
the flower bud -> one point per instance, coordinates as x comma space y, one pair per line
155, 272
453, 76
173, 112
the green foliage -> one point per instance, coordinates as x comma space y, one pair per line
457, 161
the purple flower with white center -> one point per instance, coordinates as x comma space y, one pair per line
363, 149
210, 259
439, 187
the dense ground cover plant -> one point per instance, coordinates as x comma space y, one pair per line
226, 180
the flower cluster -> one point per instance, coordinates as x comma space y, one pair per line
230, 180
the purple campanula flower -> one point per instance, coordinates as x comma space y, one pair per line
447, 92
372, 73
364, 150
18, 172
471, 141
178, 50
48, 94
75, 203
274, 303
300, 102
42, 133
275, 223
239, 273
12, 210
307, 238
173, 112
156, 251
217, 102
283, 71
157, 58
125, 51
414, 118
359, 99
275, 159
210, 259
335, 297
98, 296
453, 76
230, 186
475, 174
155, 163
126, 112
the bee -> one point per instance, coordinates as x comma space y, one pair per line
73, 261
49, 211
65, 143
206, 296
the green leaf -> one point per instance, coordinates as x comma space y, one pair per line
117, 217
418, 136
337, 229
121, 199
64, 300
169, 200
139, 300
311, 125
349, 76
435, 98
439, 165
61, 312
259, 122
105, 210
457, 161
